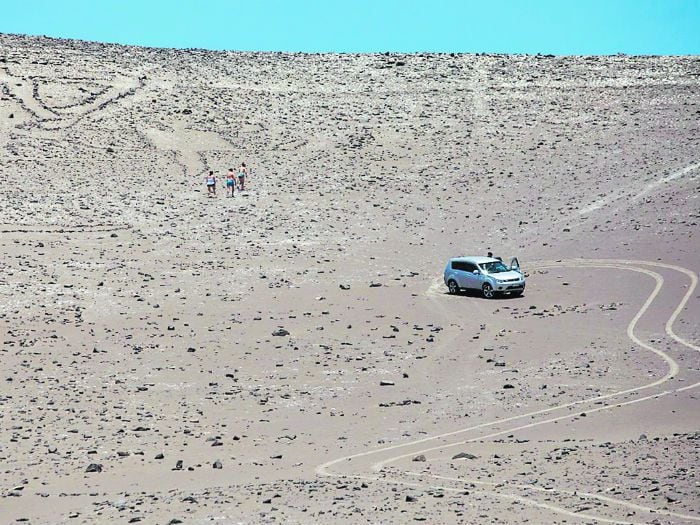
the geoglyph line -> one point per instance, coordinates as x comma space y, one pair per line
649, 187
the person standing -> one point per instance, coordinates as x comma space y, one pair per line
242, 174
230, 183
211, 184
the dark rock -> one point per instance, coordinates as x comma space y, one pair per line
94, 467
420, 457
281, 332
464, 455
217, 464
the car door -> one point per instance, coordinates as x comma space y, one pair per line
515, 264
472, 280
459, 273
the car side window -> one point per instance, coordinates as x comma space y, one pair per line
464, 266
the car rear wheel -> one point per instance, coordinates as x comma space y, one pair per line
487, 291
452, 287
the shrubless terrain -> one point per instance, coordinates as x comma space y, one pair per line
291, 355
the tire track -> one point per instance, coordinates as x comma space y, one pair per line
673, 370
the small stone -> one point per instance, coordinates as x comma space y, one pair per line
507, 386
94, 467
464, 455
386, 382
411, 499
344, 286
281, 332
419, 457
217, 464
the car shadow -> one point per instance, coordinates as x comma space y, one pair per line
477, 294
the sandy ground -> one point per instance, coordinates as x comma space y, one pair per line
141, 380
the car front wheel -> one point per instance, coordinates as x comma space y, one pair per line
452, 287
487, 291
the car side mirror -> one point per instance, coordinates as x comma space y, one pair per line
476, 272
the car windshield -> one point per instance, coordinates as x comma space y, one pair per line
494, 267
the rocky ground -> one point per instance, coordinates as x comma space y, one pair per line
290, 354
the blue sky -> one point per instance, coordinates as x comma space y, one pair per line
663, 27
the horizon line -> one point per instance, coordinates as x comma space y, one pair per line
543, 54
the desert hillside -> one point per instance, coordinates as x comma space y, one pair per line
291, 354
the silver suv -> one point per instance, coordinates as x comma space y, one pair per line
487, 274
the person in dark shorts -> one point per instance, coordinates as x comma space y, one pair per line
242, 174
211, 184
